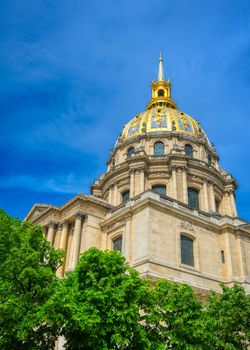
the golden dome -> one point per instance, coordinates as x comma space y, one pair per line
163, 120
162, 114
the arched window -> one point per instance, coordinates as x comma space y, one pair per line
193, 198
189, 150
187, 251
159, 149
117, 244
130, 151
161, 189
160, 92
125, 196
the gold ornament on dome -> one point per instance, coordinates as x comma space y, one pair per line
162, 114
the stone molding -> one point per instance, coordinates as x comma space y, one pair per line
52, 224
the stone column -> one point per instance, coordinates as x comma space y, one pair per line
115, 195
142, 180
233, 206
132, 184
83, 245
74, 254
51, 232
174, 183
212, 199
185, 193
63, 244
57, 238
205, 196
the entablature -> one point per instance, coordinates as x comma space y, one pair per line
217, 223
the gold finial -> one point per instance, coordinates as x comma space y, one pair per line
160, 72
161, 90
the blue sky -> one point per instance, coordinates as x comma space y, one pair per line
74, 72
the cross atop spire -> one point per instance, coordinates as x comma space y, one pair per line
160, 72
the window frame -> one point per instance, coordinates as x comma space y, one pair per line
198, 198
189, 151
115, 239
159, 185
122, 196
163, 149
130, 151
188, 239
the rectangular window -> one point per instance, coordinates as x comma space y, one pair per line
193, 198
187, 252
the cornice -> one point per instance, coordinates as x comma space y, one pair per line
176, 209
78, 198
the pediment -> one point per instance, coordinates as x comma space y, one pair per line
36, 211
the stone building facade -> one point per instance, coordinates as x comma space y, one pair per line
164, 202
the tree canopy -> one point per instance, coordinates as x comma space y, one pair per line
101, 302
28, 266
104, 304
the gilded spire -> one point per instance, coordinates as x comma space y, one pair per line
160, 72
161, 90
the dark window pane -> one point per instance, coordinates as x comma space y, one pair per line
187, 253
130, 151
189, 150
193, 198
117, 244
159, 149
125, 196
161, 92
161, 189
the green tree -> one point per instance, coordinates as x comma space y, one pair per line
105, 305
101, 302
174, 317
27, 280
227, 316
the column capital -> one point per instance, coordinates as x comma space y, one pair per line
52, 224
63, 224
79, 215
59, 226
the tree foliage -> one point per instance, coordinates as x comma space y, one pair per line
174, 317
27, 280
101, 302
104, 304
227, 316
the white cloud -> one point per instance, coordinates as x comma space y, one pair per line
64, 184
